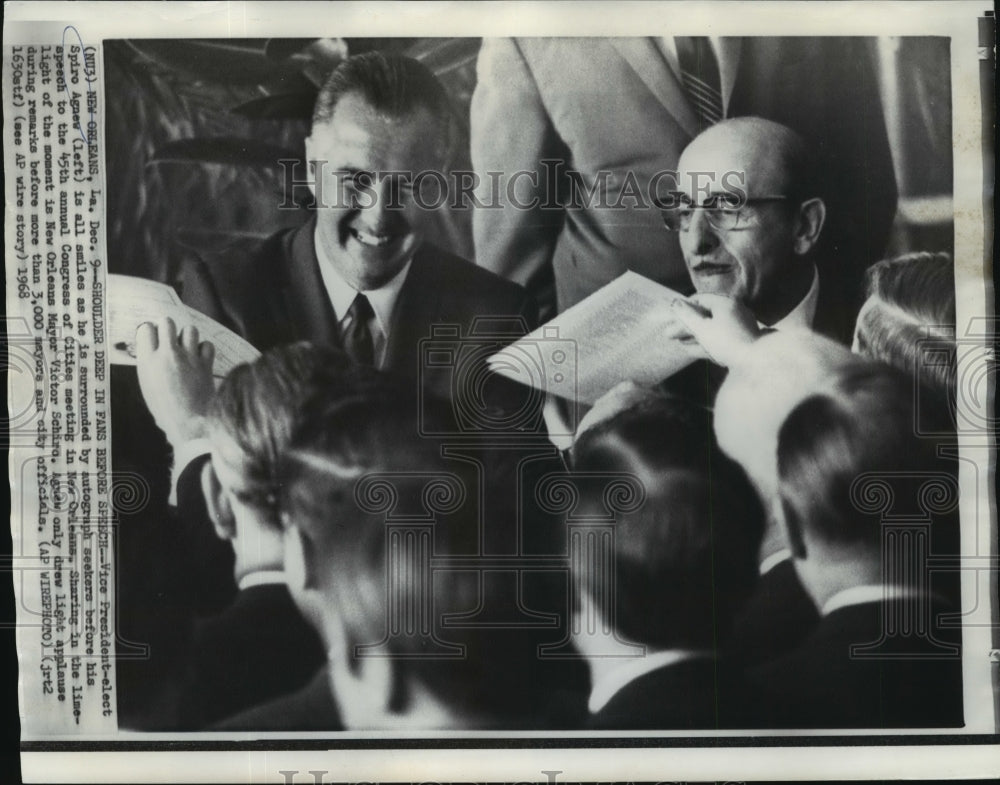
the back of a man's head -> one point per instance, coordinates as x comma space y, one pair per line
908, 320
688, 556
843, 453
376, 501
393, 85
256, 408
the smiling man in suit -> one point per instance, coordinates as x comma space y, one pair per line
359, 273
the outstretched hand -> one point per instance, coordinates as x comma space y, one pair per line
175, 376
721, 326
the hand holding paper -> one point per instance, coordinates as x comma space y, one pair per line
723, 327
621, 332
175, 376
134, 300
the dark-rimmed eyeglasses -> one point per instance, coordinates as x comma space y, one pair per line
724, 212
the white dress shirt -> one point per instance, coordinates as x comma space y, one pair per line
772, 561
608, 685
383, 301
262, 578
875, 592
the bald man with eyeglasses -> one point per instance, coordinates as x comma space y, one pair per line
745, 208
749, 217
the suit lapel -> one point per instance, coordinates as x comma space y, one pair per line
417, 309
649, 64
729, 62
305, 302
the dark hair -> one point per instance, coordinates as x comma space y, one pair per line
348, 458
256, 406
910, 322
687, 558
391, 84
864, 425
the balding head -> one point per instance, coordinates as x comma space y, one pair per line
761, 256
773, 156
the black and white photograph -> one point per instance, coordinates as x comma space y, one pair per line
458, 391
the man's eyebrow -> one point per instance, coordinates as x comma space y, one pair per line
402, 178
715, 196
352, 170
706, 197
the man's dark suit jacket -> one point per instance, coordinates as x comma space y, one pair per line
692, 694
777, 617
822, 685
257, 649
272, 293
310, 708
240, 648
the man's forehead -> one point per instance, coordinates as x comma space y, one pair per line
357, 123
731, 157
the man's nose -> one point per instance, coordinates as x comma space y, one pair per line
390, 200
383, 203
702, 238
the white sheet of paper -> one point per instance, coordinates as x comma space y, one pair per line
613, 335
133, 301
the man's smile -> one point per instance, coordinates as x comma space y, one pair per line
371, 239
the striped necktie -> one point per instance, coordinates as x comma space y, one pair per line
700, 74
358, 341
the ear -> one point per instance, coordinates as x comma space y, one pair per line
220, 510
812, 215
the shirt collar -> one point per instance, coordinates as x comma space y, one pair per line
612, 682
859, 595
803, 314
383, 300
772, 561
262, 578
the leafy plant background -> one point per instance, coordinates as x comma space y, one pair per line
195, 130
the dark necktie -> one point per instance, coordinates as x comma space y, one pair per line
700, 74
358, 341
